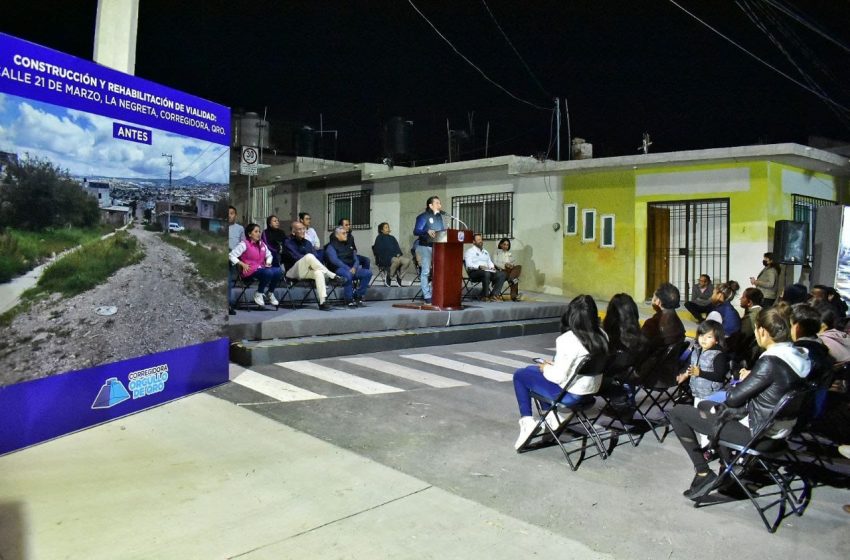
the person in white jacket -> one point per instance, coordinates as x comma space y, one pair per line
581, 336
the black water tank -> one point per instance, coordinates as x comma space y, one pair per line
398, 137
305, 142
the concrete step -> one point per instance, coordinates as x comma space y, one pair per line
259, 352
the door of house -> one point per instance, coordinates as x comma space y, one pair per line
685, 239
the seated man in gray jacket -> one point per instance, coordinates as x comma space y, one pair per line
700, 304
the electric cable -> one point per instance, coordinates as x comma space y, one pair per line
480, 71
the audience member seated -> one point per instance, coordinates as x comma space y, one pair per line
779, 369
365, 262
795, 293
301, 262
342, 259
388, 255
480, 268
254, 260
504, 260
723, 311
581, 337
709, 364
837, 341
830, 296
273, 237
626, 348
805, 324
664, 328
701, 292
310, 233
745, 347
235, 234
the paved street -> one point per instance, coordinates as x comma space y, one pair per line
447, 415
398, 454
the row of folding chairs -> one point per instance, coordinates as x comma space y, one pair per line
285, 290
583, 430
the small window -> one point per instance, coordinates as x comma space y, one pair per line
607, 232
589, 225
355, 206
570, 219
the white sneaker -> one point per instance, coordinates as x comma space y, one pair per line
272, 299
526, 428
258, 299
844, 450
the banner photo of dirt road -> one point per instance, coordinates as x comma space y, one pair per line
113, 215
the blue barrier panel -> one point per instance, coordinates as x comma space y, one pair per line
42, 409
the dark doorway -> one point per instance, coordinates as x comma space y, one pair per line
685, 239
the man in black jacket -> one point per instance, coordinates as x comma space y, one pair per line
301, 263
777, 371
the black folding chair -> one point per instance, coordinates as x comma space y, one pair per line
768, 460
571, 419
619, 405
243, 285
657, 380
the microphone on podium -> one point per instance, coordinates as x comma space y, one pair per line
455, 218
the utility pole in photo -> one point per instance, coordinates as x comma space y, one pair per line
170, 166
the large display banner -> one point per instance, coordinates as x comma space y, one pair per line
151, 331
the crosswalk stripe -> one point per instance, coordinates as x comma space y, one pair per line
500, 360
430, 379
274, 388
460, 366
552, 349
529, 354
341, 378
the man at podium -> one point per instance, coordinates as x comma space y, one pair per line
428, 223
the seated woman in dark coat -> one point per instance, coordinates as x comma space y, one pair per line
389, 256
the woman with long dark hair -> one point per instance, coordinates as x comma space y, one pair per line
274, 237
582, 337
621, 324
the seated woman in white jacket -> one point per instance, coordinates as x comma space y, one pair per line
581, 336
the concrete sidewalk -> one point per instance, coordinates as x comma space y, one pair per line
202, 478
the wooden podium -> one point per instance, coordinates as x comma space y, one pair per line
446, 268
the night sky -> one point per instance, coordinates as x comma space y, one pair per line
626, 67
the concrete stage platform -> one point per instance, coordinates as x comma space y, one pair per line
268, 336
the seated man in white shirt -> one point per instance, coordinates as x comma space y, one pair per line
309, 232
480, 268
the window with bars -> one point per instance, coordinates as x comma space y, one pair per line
355, 206
491, 215
806, 211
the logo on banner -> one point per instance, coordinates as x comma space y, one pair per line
141, 383
112, 393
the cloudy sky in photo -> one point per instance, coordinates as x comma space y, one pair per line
83, 144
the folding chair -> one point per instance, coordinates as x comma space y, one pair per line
468, 285
764, 458
658, 383
383, 271
243, 285
571, 419
310, 287
619, 404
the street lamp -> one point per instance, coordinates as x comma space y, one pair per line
170, 165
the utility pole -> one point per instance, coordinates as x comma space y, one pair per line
569, 135
557, 129
170, 165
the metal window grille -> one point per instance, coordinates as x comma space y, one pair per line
697, 243
806, 210
491, 215
262, 204
355, 206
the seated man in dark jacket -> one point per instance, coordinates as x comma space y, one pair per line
342, 259
778, 370
299, 257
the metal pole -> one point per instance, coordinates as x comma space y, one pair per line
487, 140
569, 138
170, 166
449, 136
250, 212
557, 129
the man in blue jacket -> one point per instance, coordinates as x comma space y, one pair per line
428, 223
342, 259
299, 258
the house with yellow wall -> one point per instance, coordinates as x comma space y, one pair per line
633, 222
